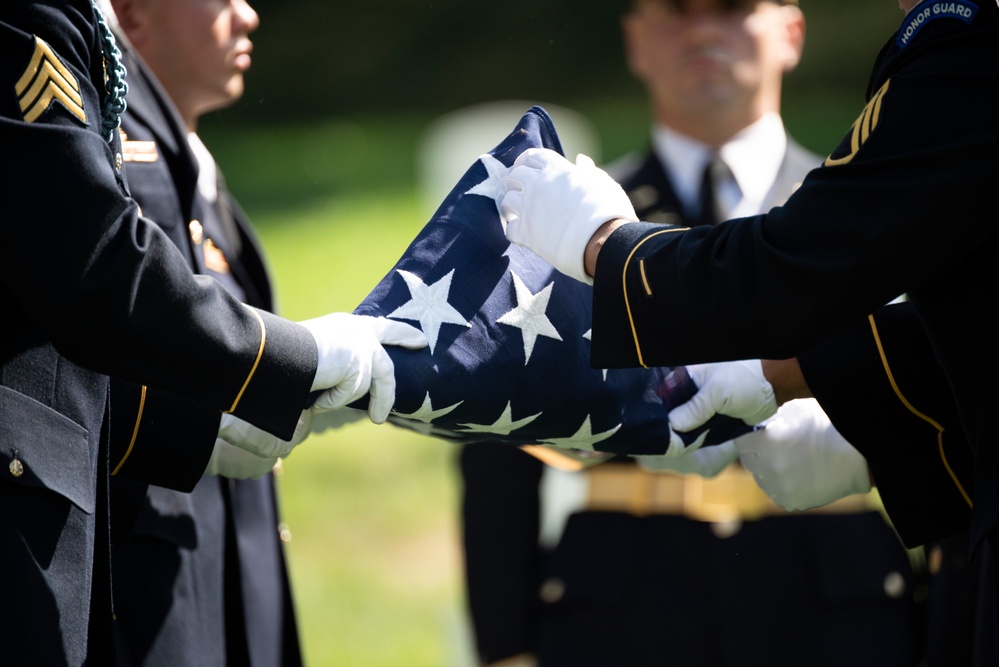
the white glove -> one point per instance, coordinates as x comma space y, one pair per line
236, 463
733, 388
801, 460
352, 359
705, 461
246, 436
554, 207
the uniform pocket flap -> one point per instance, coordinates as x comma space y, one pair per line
44, 449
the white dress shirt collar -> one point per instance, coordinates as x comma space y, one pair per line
207, 169
754, 158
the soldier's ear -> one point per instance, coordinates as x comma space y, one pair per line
634, 44
794, 42
131, 18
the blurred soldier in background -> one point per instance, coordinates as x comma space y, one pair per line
689, 564
203, 578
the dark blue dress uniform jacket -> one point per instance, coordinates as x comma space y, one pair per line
202, 580
91, 289
805, 589
900, 207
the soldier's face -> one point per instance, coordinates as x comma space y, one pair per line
199, 50
711, 52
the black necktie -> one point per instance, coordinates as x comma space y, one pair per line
707, 204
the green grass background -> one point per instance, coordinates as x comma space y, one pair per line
372, 510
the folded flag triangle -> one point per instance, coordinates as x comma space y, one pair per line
508, 358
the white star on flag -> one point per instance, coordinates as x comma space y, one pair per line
530, 315
429, 306
471, 292
426, 412
494, 187
589, 336
502, 426
584, 438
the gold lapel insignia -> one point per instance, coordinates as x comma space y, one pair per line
214, 258
197, 232
644, 196
46, 80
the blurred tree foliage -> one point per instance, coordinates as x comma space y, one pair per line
317, 58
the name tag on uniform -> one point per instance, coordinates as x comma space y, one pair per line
138, 151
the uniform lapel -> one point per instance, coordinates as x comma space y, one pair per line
797, 161
652, 193
149, 105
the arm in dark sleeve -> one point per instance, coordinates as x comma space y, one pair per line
850, 239
881, 386
107, 287
500, 515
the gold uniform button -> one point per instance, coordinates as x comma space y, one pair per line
197, 232
284, 532
552, 590
726, 529
934, 562
894, 585
117, 161
16, 467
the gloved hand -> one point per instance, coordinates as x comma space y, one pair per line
734, 388
352, 360
705, 461
235, 463
246, 436
553, 207
801, 460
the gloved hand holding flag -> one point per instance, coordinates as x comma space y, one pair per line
508, 357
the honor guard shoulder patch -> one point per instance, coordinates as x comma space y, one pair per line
926, 12
46, 80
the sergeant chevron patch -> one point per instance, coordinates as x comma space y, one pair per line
46, 80
862, 127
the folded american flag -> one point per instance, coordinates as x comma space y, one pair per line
509, 349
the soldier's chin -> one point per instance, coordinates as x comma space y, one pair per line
242, 61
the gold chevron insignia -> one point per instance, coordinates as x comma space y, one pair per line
46, 80
863, 127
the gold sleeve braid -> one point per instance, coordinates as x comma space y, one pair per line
646, 287
135, 432
911, 408
246, 383
256, 362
